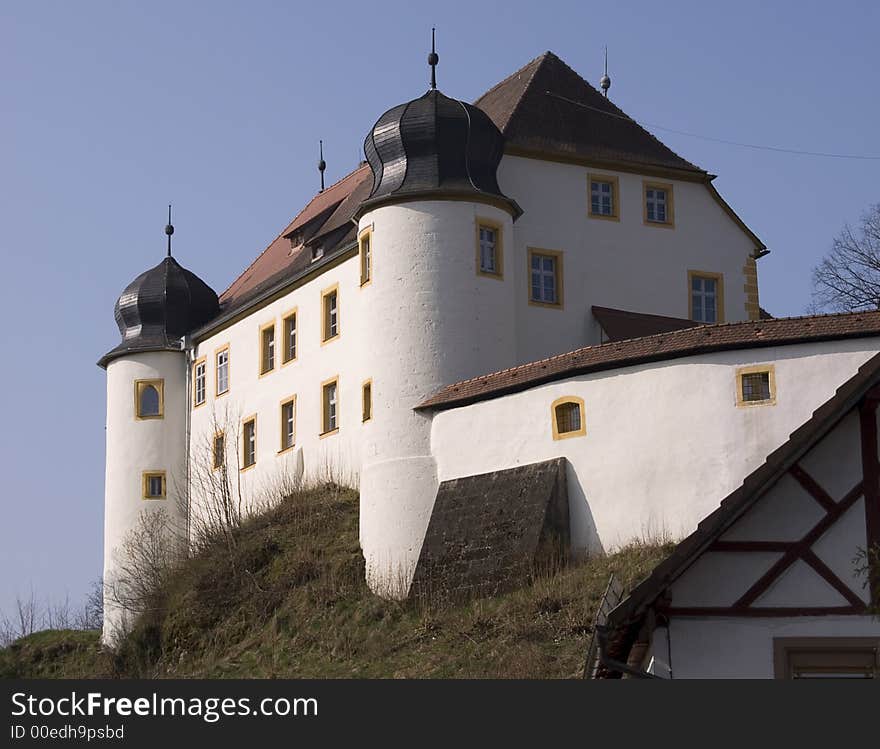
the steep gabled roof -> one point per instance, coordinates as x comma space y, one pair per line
547, 109
663, 346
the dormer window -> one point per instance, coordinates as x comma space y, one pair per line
317, 252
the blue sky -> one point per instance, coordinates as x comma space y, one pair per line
113, 109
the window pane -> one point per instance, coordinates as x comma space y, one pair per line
149, 401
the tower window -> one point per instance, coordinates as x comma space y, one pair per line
329, 406
568, 417
706, 296
603, 196
288, 424
658, 204
545, 271
149, 396
218, 457
367, 400
490, 256
221, 371
267, 348
330, 313
756, 386
154, 485
200, 369
288, 330
365, 245
249, 443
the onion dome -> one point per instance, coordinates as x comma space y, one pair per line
159, 307
435, 147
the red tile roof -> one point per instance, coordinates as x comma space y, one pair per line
547, 107
673, 345
277, 257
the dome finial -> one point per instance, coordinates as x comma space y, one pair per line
605, 80
433, 59
322, 165
169, 230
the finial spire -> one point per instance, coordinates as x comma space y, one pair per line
322, 165
605, 81
169, 230
433, 59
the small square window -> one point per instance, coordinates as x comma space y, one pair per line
756, 385
568, 417
154, 485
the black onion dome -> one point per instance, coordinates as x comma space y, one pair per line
159, 307
435, 146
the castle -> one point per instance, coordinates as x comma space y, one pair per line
525, 311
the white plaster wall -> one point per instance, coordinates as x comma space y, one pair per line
622, 264
334, 457
430, 320
742, 648
135, 446
665, 441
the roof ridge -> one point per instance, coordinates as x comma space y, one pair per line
287, 226
540, 60
627, 341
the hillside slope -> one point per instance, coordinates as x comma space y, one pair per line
285, 597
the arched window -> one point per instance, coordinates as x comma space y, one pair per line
568, 417
149, 399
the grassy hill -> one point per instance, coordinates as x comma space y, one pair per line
285, 597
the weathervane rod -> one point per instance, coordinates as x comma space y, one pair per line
433, 59
322, 165
169, 230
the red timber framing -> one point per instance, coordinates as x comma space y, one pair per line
792, 551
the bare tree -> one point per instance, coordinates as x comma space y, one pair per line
848, 278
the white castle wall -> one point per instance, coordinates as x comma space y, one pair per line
664, 443
430, 320
622, 264
135, 446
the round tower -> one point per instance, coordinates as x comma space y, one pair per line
439, 306
147, 418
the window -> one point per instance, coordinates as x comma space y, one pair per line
367, 400
249, 443
706, 296
330, 313
365, 247
218, 457
658, 204
149, 399
200, 370
756, 386
568, 417
603, 196
154, 484
826, 657
288, 330
545, 267
288, 424
317, 252
490, 255
221, 371
267, 348
329, 406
